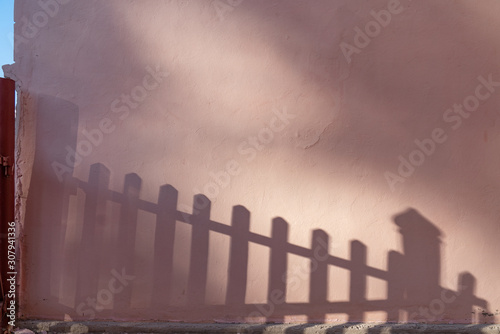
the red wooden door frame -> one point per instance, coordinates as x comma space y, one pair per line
7, 143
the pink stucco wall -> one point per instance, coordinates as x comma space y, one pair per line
358, 140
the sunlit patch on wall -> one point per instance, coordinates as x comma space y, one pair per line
336, 318
297, 279
338, 284
375, 316
258, 264
296, 318
376, 289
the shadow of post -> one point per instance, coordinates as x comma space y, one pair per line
47, 201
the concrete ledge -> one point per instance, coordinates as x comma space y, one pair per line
165, 327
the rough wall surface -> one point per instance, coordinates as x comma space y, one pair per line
346, 152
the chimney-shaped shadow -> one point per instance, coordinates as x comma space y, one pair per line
421, 267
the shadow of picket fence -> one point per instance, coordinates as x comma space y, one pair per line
402, 288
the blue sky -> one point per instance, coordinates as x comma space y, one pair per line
6, 32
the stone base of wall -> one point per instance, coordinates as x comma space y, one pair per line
39, 326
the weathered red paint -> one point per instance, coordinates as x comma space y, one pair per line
7, 140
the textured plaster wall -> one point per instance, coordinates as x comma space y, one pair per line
311, 108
